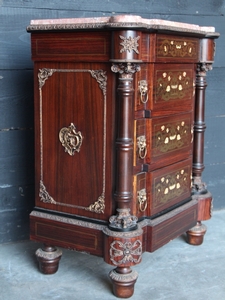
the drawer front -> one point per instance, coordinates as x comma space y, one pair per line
161, 141
176, 48
171, 136
173, 87
168, 186
71, 46
165, 88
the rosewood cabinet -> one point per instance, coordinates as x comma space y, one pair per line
119, 138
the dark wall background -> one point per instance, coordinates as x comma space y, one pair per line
16, 93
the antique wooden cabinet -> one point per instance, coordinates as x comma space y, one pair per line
119, 138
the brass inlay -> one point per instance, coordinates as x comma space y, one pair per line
142, 199
171, 186
70, 139
142, 146
100, 76
177, 48
143, 90
173, 85
172, 136
129, 44
122, 253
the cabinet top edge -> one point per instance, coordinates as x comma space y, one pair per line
120, 21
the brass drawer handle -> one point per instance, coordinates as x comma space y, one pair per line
142, 146
142, 200
143, 89
70, 139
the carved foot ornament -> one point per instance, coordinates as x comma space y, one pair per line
48, 258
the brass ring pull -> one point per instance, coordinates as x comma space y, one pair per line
142, 146
143, 89
142, 200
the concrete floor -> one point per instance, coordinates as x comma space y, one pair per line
176, 271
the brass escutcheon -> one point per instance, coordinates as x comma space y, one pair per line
142, 146
142, 200
70, 139
143, 89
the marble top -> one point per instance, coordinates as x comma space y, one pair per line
119, 21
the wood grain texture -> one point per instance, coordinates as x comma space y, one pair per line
16, 97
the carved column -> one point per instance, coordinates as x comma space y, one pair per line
124, 148
196, 234
123, 238
199, 129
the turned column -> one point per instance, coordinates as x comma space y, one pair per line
123, 237
199, 190
124, 148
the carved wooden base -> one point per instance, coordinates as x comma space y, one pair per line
123, 280
48, 259
196, 234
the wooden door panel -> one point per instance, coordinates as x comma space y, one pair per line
73, 140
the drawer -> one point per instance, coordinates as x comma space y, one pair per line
71, 47
161, 141
157, 191
170, 48
168, 186
165, 88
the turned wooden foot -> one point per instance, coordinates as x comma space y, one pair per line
196, 234
48, 258
123, 280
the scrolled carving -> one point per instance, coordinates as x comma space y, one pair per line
71, 139
98, 206
125, 69
101, 78
202, 68
123, 220
43, 75
44, 195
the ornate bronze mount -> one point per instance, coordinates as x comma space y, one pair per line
70, 139
126, 69
142, 200
198, 186
143, 90
142, 146
129, 44
123, 221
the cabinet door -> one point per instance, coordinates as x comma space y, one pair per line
74, 137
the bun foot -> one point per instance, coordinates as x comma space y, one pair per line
196, 234
123, 280
48, 259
